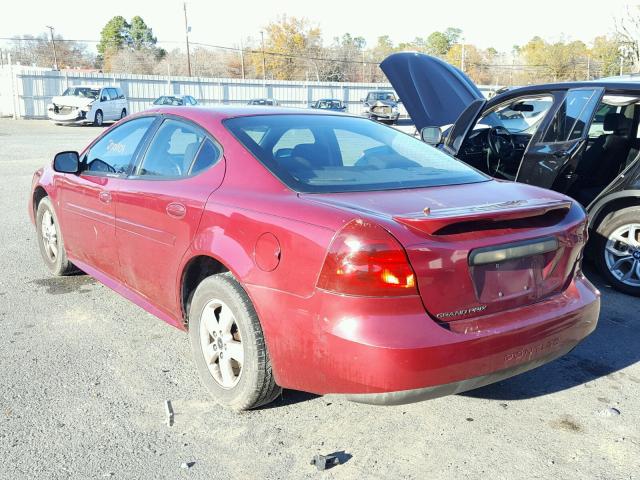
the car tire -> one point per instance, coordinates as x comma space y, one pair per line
123, 113
617, 260
50, 241
98, 119
220, 304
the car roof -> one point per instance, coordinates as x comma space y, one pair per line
223, 112
622, 85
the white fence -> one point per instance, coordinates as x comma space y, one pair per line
25, 92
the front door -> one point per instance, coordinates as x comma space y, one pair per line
554, 153
158, 208
87, 200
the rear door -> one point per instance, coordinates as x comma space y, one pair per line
158, 208
554, 153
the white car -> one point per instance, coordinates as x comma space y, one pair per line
88, 104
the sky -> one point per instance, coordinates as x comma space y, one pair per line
489, 23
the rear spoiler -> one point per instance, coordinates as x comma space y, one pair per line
431, 221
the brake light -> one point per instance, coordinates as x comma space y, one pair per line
365, 259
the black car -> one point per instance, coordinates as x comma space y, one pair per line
579, 138
381, 105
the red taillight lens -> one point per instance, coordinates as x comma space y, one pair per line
364, 259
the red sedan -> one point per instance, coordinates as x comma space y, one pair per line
319, 252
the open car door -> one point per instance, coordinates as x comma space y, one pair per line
434, 93
554, 152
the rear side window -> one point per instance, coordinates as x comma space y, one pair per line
331, 153
207, 156
114, 152
172, 150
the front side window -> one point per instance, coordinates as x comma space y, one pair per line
114, 152
172, 150
113, 95
331, 153
572, 117
520, 116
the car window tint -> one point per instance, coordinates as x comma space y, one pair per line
114, 152
172, 150
207, 156
293, 137
313, 153
571, 118
353, 145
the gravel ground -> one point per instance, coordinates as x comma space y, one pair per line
84, 375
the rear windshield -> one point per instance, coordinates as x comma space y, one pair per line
327, 153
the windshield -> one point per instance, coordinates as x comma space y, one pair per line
520, 116
382, 96
330, 153
329, 104
85, 92
169, 101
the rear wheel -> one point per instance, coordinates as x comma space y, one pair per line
228, 345
617, 250
50, 239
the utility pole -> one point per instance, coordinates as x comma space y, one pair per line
363, 65
186, 32
264, 63
462, 57
588, 67
55, 54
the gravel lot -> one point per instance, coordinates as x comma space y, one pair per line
84, 375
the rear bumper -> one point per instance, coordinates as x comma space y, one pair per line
384, 350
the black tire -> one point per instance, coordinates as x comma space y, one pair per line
612, 222
123, 113
59, 263
98, 119
255, 385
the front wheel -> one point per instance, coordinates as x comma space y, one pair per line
228, 345
50, 239
123, 113
617, 250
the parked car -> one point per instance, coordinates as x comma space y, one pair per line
88, 104
322, 252
578, 138
265, 102
176, 100
329, 104
381, 105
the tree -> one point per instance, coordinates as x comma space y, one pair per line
290, 43
439, 43
118, 36
605, 54
628, 32
114, 36
38, 51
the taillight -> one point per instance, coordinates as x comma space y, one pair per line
364, 259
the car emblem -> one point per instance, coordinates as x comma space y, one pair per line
462, 312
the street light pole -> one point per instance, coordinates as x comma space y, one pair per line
462, 57
55, 54
186, 32
264, 63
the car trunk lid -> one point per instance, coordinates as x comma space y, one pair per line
473, 257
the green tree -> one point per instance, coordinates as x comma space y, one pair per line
114, 36
605, 54
439, 43
140, 35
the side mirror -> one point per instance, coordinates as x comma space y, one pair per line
362, 100
66, 162
431, 135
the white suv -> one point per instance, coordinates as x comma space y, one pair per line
88, 104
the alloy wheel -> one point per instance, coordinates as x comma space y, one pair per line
49, 235
622, 254
221, 343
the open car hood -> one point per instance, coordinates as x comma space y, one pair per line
433, 92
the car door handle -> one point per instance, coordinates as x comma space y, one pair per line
176, 210
104, 196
